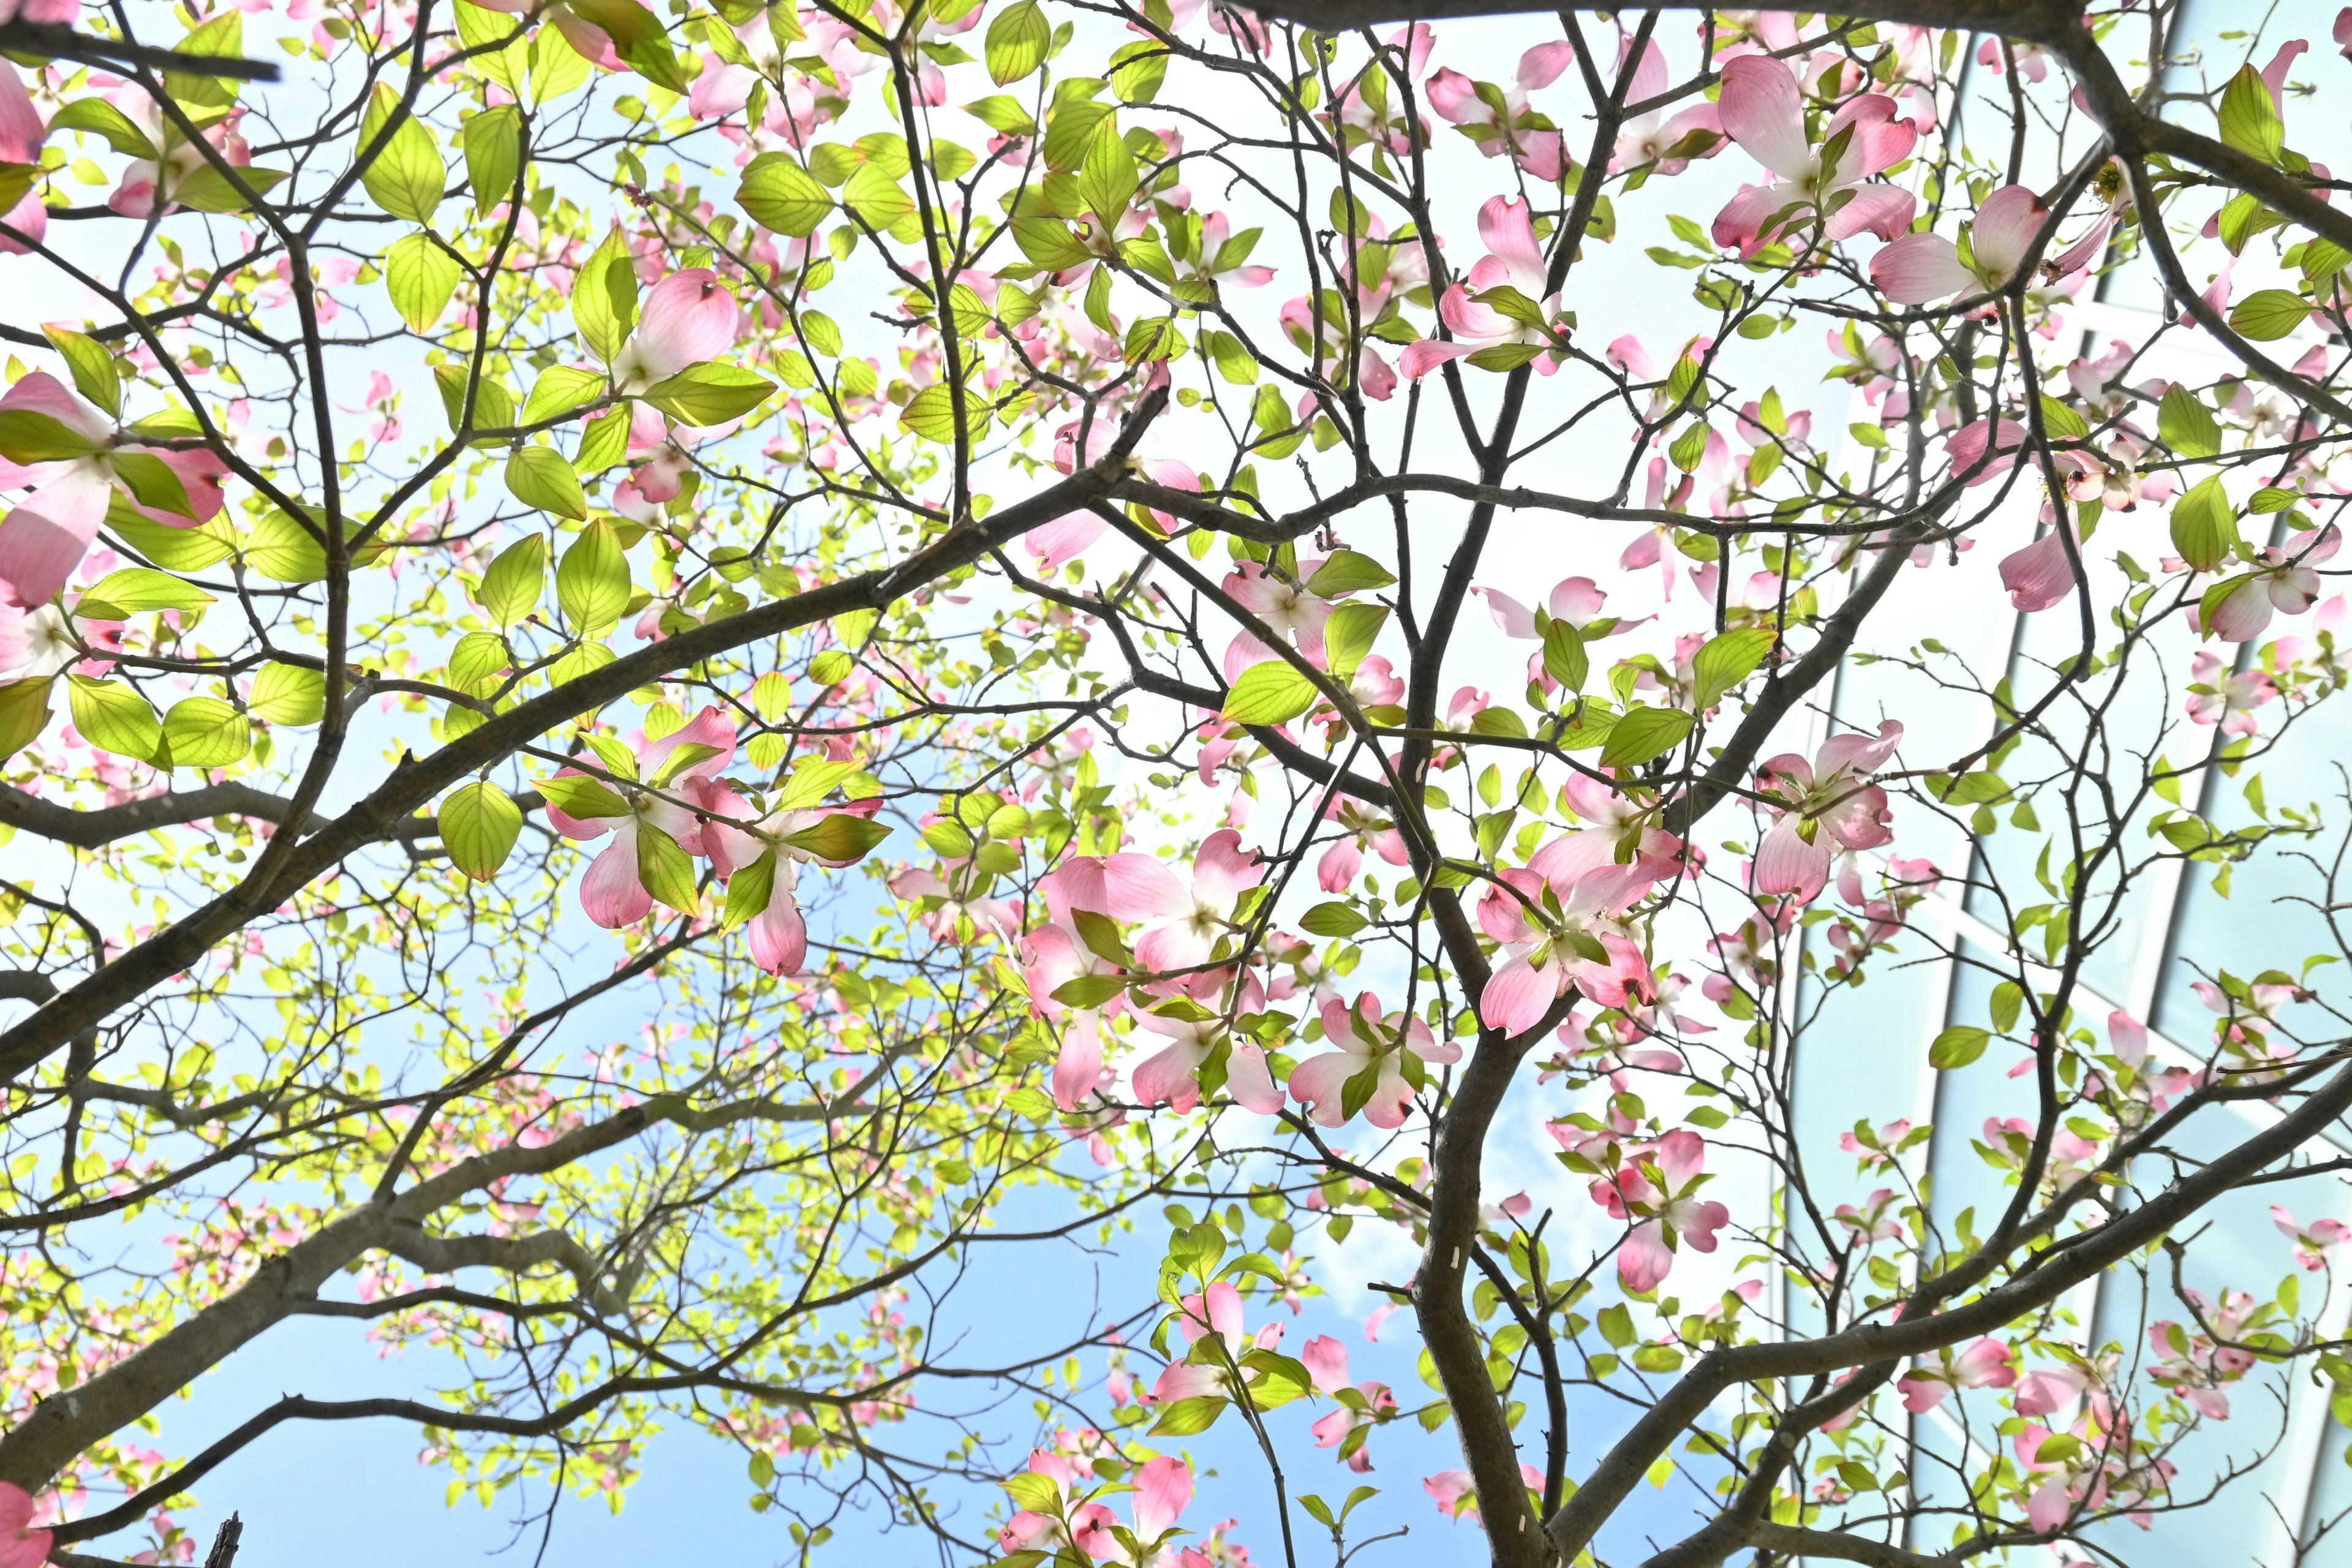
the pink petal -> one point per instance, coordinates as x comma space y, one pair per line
2243, 612
1164, 1488
1058, 543
1921, 1394
21, 131
1787, 864
1540, 67
1507, 227
1078, 1070
1249, 1083
1325, 1359
688, 318
1518, 995
611, 892
779, 936
2038, 576
2004, 230
1920, 269
1420, 358
1763, 113
46, 536
1883, 210
1166, 1077
1516, 619
1644, 1259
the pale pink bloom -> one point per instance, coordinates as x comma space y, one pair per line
2127, 1037
1586, 944
1659, 1192
2310, 1241
2219, 695
1457, 1497
1987, 1364
1830, 799
1184, 938
1170, 1076
45, 537
21, 1546
1764, 112
2288, 583
688, 317
33, 644
613, 892
146, 185
1366, 1041
986, 914
22, 134
1456, 97
1514, 260
1920, 268
2047, 1390
1693, 133
1879, 1221
2039, 576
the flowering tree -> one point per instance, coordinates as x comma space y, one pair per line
653, 663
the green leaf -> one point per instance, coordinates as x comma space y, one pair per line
205, 732
1108, 178
1644, 734
280, 549
95, 374
605, 443
930, 414
576, 794
510, 588
493, 143
1333, 919
2186, 424
2269, 313
222, 37
113, 718
2250, 117
24, 714
812, 781
750, 891
839, 838
1348, 636
638, 38
1564, 657
2204, 526
28, 438
592, 584
173, 549
288, 694
875, 195
1346, 572
665, 871
100, 118
1725, 661
207, 190
493, 403
541, 477
135, 590
1189, 1417
407, 177
1957, 1047
1090, 990
782, 195
560, 389
479, 823
421, 278
1018, 39
605, 298
710, 394
1269, 693
153, 483
2062, 423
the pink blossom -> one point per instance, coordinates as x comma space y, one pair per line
2288, 583
1987, 1364
1457, 1497
2310, 1241
1830, 799
1368, 1042
21, 1546
1919, 268
1514, 261
1657, 1190
1763, 111
1456, 97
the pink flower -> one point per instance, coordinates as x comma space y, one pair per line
45, 537
613, 892
1764, 112
1185, 936
2310, 1241
2288, 583
2216, 693
1459, 1497
688, 318
22, 134
1657, 1189
1370, 1044
1457, 98
21, 1546
1984, 1365
1830, 801
1921, 268
147, 185
1515, 262
1586, 942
